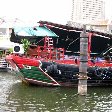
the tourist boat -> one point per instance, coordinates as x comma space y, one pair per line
46, 65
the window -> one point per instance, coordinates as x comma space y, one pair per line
3, 31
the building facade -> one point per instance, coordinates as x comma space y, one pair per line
87, 10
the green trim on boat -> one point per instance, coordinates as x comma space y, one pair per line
35, 74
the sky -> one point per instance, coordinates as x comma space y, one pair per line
57, 11
108, 8
47, 10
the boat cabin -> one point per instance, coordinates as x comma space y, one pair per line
54, 41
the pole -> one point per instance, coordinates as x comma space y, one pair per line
82, 84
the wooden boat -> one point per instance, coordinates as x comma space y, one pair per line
47, 65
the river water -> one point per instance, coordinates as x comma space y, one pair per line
18, 97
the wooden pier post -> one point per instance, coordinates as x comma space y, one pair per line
82, 84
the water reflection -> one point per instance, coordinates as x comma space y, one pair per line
17, 97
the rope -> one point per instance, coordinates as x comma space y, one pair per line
73, 42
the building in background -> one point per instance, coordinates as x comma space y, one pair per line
86, 11
91, 13
6, 26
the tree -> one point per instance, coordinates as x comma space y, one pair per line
1, 53
26, 44
10, 50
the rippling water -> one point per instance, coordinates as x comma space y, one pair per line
17, 97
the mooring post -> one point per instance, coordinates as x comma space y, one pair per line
82, 84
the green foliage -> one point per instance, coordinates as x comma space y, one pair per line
10, 50
26, 44
1, 53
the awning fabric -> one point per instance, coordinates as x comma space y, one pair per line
39, 31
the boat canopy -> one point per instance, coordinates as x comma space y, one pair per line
71, 36
39, 31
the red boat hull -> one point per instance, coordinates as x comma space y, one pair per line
60, 72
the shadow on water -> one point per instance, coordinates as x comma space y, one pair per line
22, 98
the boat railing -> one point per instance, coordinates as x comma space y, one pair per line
47, 53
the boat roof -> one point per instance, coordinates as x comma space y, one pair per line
39, 31
74, 29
